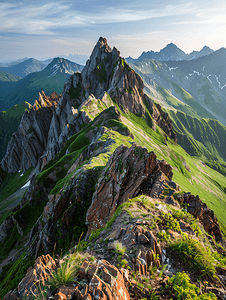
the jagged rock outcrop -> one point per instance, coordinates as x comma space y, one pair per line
127, 172
205, 215
103, 281
29, 141
35, 276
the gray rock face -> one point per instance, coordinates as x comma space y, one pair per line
106, 71
29, 141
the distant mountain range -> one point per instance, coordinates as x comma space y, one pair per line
22, 69
196, 87
171, 52
51, 78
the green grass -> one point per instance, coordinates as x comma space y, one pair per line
200, 137
12, 183
193, 252
11, 116
13, 273
179, 285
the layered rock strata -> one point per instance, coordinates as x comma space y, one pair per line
126, 175
205, 215
28, 143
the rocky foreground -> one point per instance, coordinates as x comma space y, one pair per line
133, 250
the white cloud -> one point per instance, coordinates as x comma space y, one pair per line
47, 18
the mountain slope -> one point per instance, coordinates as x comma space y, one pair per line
204, 138
107, 149
7, 82
10, 117
51, 78
202, 78
22, 69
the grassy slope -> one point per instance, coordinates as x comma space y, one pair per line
204, 138
9, 121
7, 82
200, 180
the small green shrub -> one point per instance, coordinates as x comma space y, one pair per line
95, 233
196, 229
120, 249
163, 236
195, 253
179, 285
170, 222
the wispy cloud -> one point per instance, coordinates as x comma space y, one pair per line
45, 19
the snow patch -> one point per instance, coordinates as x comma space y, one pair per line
172, 68
219, 84
208, 78
196, 72
26, 184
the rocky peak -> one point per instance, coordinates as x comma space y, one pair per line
53, 120
44, 101
27, 144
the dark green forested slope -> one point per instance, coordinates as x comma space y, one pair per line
9, 121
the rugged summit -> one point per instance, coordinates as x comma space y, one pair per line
29, 141
105, 71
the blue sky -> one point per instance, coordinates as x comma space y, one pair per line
45, 28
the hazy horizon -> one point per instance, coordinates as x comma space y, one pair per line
46, 29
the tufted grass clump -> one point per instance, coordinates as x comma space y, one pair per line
180, 287
64, 275
193, 252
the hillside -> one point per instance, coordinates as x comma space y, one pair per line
22, 69
100, 200
7, 82
204, 138
201, 80
9, 121
51, 78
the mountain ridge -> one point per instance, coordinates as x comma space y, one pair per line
105, 171
28, 88
171, 52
